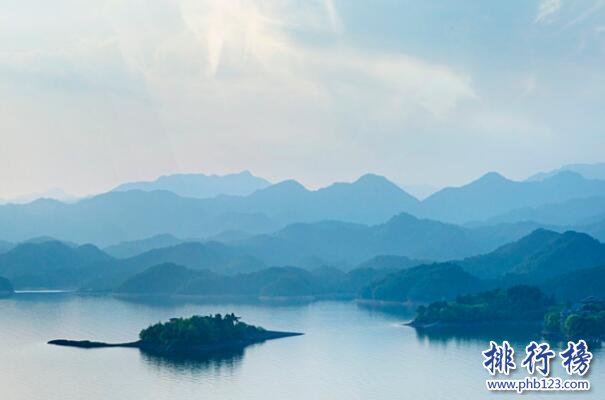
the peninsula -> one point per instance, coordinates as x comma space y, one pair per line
517, 304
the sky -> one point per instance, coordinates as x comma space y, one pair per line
97, 93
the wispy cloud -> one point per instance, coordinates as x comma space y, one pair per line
222, 76
288, 88
245, 47
547, 11
335, 21
587, 13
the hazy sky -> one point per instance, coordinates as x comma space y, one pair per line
94, 93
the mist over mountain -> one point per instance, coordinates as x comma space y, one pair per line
494, 203
52, 264
574, 212
135, 247
344, 244
588, 171
493, 195
390, 262
171, 279
399, 243
595, 229
56, 265
119, 216
212, 256
577, 285
201, 186
5, 246
52, 194
114, 217
368, 200
420, 192
257, 266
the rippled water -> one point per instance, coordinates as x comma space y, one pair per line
347, 352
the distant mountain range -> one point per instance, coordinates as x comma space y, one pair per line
574, 212
347, 244
135, 247
588, 171
562, 201
122, 216
238, 234
54, 194
493, 195
202, 186
130, 215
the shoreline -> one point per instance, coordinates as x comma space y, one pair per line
179, 349
439, 325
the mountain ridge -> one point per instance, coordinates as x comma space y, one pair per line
198, 185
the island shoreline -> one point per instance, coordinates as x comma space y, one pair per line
176, 349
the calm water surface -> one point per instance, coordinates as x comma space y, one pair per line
348, 352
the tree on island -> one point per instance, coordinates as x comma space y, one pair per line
199, 330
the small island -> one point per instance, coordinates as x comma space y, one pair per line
195, 336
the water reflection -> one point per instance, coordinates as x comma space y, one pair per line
402, 312
213, 363
169, 302
516, 332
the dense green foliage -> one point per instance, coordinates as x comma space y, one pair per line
390, 262
423, 283
584, 321
518, 303
198, 330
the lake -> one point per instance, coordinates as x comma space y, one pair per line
348, 352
